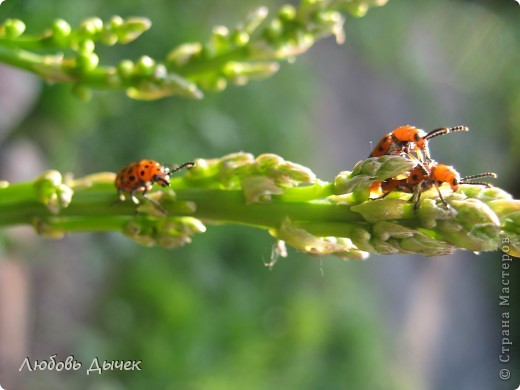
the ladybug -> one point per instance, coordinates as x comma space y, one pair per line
425, 176
406, 139
140, 177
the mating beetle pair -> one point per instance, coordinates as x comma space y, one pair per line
426, 173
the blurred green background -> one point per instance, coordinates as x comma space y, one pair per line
211, 315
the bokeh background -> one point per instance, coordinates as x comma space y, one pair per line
211, 315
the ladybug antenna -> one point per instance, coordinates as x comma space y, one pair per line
176, 168
445, 130
469, 179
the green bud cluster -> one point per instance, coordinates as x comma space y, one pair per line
166, 232
62, 36
145, 79
116, 30
151, 81
302, 240
259, 178
225, 52
249, 51
52, 192
295, 30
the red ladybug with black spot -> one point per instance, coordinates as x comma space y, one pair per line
141, 175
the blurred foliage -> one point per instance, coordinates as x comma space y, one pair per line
223, 334
237, 55
211, 315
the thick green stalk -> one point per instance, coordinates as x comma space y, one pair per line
284, 198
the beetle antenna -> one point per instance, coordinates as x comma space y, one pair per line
176, 168
445, 130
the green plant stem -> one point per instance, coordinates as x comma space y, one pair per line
230, 206
211, 205
20, 58
279, 196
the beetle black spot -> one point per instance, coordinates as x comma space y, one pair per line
142, 172
131, 178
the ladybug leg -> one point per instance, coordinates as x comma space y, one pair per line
382, 196
440, 196
423, 155
120, 197
416, 197
155, 203
133, 197
418, 190
386, 194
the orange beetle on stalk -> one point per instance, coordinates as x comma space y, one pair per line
425, 176
406, 139
140, 177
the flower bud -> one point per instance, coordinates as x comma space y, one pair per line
254, 19
422, 244
287, 13
383, 209
242, 72
182, 54
60, 31
131, 29
86, 47
125, 68
90, 27
171, 84
144, 66
274, 30
45, 228
115, 22
258, 189
384, 230
13, 28
87, 62
51, 192
213, 83
240, 38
